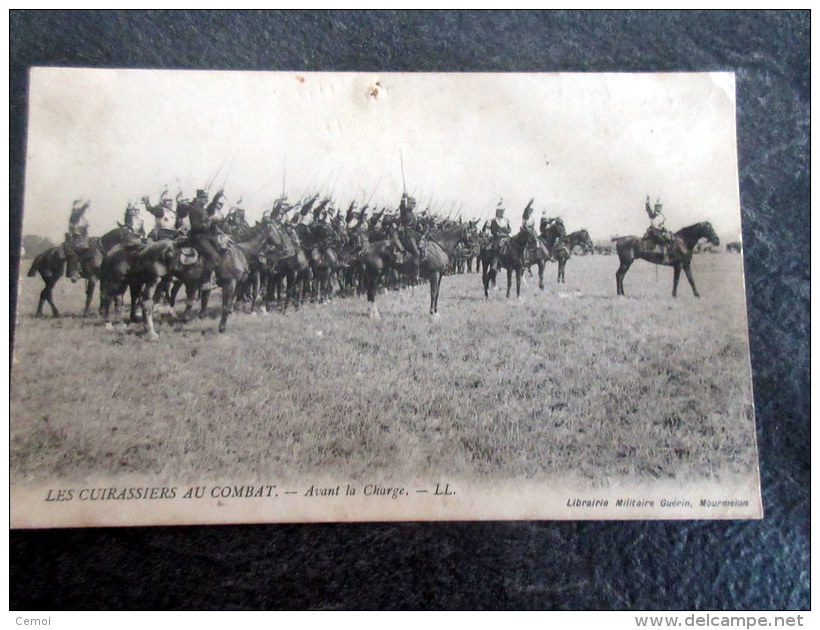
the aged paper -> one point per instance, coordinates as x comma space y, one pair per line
443, 394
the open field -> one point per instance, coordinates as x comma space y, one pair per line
571, 380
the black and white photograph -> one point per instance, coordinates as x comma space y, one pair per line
252, 297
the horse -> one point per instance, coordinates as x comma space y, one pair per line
581, 240
319, 242
439, 247
51, 265
734, 246
159, 259
678, 255
372, 262
551, 246
514, 255
286, 262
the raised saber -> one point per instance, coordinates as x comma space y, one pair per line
403, 183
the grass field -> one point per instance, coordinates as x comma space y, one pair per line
571, 380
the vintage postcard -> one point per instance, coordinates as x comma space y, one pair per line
255, 297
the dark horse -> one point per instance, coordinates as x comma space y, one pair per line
514, 255
440, 247
51, 265
581, 240
552, 245
678, 255
373, 261
151, 264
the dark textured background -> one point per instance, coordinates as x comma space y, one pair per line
537, 565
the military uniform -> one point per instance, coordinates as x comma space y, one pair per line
76, 241
236, 223
500, 230
528, 225
134, 221
166, 218
409, 236
201, 217
656, 232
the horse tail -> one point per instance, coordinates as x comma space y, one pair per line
34, 265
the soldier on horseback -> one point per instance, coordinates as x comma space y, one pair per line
500, 231
166, 217
203, 229
408, 234
133, 221
528, 225
76, 239
235, 223
656, 233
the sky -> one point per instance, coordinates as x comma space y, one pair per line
587, 147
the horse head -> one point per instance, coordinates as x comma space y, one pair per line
709, 233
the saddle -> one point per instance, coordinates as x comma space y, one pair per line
658, 241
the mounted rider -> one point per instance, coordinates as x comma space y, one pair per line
166, 217
76, 239
528, 225
656, 233
203, 229
500, 230
235, 222
408, 232
133, 221
552, 231
321, 229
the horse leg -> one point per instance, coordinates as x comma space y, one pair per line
148, 311
675, 279
228, 291
485, 279
372, 284
134, 290
90, 284
190, 296
438, 293
433, 291
619, 276
691, 280
509, 281
172, 296
518, 273
541, 265
203, 308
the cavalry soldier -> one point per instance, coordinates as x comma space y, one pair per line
528, 225
408, 235
76, 239
134, 221
547, 223
201, 214
166, 217
236, 223
500, 231
656, 232
278, 210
